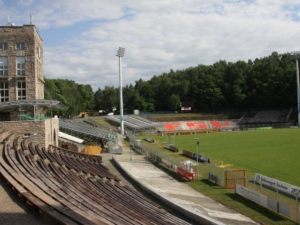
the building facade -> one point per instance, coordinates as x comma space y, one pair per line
22, 103
43, 132
21, 63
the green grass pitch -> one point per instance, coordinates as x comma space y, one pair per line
274, 153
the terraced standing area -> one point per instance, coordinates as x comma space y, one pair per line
73, 188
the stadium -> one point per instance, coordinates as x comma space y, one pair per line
149, 175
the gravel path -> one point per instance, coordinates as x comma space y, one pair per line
15, 211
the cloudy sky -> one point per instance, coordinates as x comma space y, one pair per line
81, 37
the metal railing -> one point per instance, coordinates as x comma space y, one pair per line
282, 203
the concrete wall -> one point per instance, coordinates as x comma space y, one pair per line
51, 131
70, 146
42, 132
198, 217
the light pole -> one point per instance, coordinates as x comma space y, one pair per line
296, 56
120, 54
197, 146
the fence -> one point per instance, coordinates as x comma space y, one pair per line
269, 197
264, 195
172, 163
202, 170
248, 126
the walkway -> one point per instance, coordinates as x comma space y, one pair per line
177, 192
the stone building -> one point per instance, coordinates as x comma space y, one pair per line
21, 63
22, 103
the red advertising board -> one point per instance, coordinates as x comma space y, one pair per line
186, 174
171, 126
220, 124
196, 125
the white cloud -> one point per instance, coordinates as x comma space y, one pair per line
158, 34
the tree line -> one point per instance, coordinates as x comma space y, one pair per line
78, 97
267, 82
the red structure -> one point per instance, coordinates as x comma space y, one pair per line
196, 125
185, 170
171, 126
218, 124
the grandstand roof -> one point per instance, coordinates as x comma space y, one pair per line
87, 131
11, 105
70, 137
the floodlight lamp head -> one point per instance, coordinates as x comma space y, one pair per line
295, 55
120, 52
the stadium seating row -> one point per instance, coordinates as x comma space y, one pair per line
269, 116
74, 188
198, 125
253, 117
266, 116
133, 122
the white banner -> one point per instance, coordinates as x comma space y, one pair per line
252, 195
277, 185
186, 108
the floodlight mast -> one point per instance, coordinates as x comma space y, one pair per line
120, 54
296, 56
197, 148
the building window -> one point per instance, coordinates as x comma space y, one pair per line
3, 45
3, 66
21, 66
20, 46
26, 135
39, 52
64, 146
3, 92
21, 90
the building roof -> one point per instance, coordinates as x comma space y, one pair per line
13, 105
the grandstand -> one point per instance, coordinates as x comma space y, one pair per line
197, 125
87, 131
74, 188
133, 122
266, 116
263, 116
137, 124
251, 119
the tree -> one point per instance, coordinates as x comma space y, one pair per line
173, 102
110, 98
98, 98
267, 82
146, 93
132, 99
162, 87
87, 94
77, 97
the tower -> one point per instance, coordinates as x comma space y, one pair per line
21, 67
21, 63
22, 103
